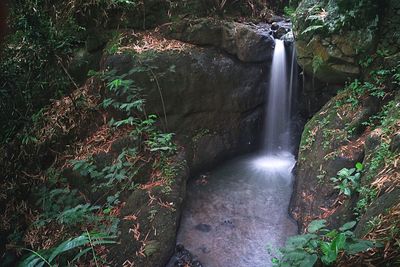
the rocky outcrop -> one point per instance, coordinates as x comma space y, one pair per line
331, 37
213, 102
359, 124
248, 42
155, 216
327, 147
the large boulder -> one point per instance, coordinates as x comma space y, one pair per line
326, 147
249, 42
213, 102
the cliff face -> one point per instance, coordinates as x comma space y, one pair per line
360, 124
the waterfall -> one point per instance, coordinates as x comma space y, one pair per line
278, 107
248, 198
294, 71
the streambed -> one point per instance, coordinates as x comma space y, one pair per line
234, 212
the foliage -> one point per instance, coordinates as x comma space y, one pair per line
289, 11
133, 110
376, 86
225, 7
321, 244
367, 195
64, 206
119, 173
82, 244
317, 62
29, 78
122, 169
334, 16
36, 55
348, 180
58, 204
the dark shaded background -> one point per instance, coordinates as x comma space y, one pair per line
3, 18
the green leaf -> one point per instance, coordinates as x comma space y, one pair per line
359, 166
339, 242
316, 225
347, 191
107, 102
332, 234
326, 247
295, 255
312, 28
329, 258
347, 226
299, 240
68, 245
345, 172
360, 246
33, 260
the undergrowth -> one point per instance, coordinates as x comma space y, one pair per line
90, 209
321, 246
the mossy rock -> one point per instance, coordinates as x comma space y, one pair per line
380, 206
329, 41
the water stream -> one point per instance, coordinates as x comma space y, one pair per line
236, 211
277, 132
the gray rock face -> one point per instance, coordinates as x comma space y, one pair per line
213, 102
248, 43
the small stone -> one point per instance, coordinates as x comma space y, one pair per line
280, 32
274, 26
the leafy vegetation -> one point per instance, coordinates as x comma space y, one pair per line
322, 245
331, 17
97, 206
348, 180
83, 244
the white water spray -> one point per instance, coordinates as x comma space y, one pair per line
278, 106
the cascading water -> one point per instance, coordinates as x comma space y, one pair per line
278, 107
276, 154
235, 211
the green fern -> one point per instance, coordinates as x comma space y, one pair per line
85, 243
